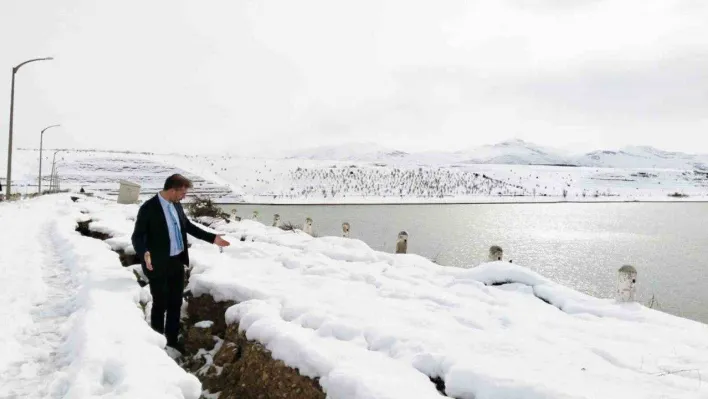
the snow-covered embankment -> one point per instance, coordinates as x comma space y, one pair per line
105, 347
366, 324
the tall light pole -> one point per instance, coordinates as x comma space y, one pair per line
8, 183
54, 161
41, 139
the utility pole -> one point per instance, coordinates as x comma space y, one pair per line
41, 139
8, 191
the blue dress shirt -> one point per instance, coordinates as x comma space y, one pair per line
173, 226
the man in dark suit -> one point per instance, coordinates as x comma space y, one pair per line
160, 241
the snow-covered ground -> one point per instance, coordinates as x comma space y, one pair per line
511, 152
314, 181
377, 325
394, 179
72, 326
100, 172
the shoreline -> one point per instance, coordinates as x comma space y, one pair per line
624, 201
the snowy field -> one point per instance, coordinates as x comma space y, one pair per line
100, 172
229, 179
318, 182
368, 324
72, 326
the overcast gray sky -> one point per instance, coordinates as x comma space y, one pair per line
259, 76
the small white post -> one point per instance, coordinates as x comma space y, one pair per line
345, 230
402, 243
308, 226
626, 281
276, 220
496, 253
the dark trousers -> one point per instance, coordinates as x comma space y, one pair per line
166, 289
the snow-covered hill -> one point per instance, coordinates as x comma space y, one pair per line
513, 152
643, 157
309, 181
507, 152
101, 171
350, 152
229, 179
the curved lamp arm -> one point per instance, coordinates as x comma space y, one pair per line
15, 69
49, 127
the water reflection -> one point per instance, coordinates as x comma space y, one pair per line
580, 245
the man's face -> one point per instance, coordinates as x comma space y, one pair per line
179, 193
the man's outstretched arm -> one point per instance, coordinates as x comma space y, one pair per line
195, 231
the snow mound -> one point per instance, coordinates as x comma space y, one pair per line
377, 325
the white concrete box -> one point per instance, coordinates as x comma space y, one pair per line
128, 193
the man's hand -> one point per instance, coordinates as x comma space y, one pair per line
148, 261
220, 241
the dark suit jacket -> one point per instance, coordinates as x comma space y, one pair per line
151, 234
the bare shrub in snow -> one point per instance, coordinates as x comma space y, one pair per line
204, 206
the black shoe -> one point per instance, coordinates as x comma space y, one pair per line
178, 346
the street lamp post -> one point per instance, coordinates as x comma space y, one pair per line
51, 180
41, 139
55, 180
8, 183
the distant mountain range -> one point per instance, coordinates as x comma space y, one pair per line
512, 152
349, 152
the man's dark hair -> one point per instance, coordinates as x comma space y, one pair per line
177, 181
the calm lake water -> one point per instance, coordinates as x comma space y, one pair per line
579, 245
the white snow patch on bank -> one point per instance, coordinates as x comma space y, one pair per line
204, 324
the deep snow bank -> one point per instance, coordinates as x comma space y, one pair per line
109, 349
369, 324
